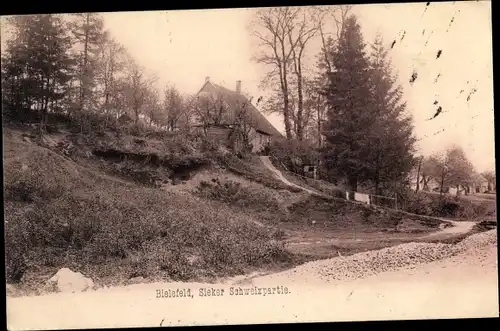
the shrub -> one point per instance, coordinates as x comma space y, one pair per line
98, 230
444, 205
234, 193
60, 214
327, 188
246, 171
16, 246
293, 154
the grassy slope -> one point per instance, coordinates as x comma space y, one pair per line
59, 213
103, 218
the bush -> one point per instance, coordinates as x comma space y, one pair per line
244, 170
98, 230
16, 246
293, 154
327, 188
423, 203
234, 193
59, 214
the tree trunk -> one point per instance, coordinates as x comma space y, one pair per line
425, 182
300, 110
418, 176
286, 111
442, 183
353, 182
284, 89
319, 121
85, 59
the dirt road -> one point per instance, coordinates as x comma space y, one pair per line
457, 228
464, 284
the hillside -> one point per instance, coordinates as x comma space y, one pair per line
126, 208
443, 281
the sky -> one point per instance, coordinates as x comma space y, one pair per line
183, 47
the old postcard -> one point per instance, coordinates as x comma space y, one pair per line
249, 166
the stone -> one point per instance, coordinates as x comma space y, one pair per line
66, 280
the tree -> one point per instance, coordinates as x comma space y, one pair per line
271, 27
136, 87
430, 169
210, 110
329, 36
329, 41
110, 76
241, 130
391, 132
300, 32
313, 109
490, 176
460, 169
37, 64
451, 168
173, 107
88, 30
152, 107
349, 114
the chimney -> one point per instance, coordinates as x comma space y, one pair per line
207, 79
238, 86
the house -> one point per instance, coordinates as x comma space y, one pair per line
432, 184
235, 119
479, 184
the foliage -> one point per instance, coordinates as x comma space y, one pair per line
450, 168
423, 203
69, 66
76, 217
294, 154
369, 134
283, 35
349, 115
391, 132
36, 66
490, 176
232, 192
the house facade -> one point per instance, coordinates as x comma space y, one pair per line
479, 184
231, 118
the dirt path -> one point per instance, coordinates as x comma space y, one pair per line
267, 162
464, 284
456, 228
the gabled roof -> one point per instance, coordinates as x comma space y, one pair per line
479, 179
235, 101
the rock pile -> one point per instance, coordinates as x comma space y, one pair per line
365, 264
387, 259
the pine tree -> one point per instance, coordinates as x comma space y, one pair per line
88, 31
349, 115
391, 134
38, 65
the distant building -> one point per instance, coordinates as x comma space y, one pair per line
239, 115
479, 184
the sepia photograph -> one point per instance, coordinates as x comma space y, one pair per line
288, 164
